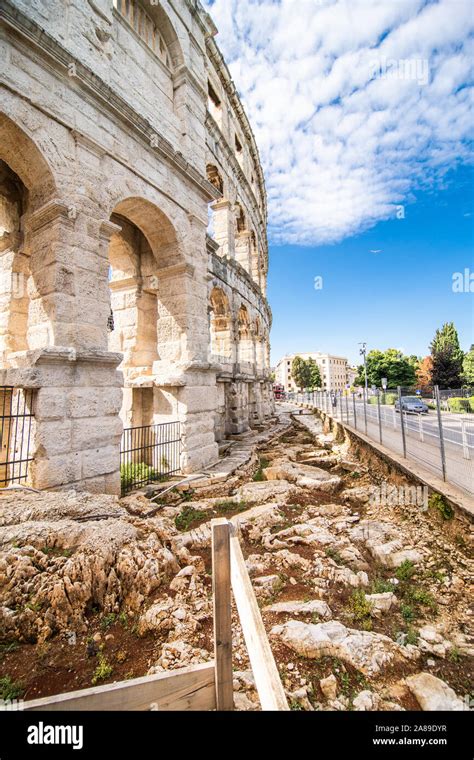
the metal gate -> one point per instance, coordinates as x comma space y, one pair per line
149, 453
16, 434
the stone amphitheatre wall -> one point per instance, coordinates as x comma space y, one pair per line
133, 234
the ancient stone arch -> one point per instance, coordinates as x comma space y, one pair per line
220, 324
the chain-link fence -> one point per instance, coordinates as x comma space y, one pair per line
417, 428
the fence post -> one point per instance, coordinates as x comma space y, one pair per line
365, 409
380, 419
354, 409
420, 427
465, 447
441, 436
222, 613
402, 422
347, 408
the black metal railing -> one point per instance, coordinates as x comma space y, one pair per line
149, 453
16, 434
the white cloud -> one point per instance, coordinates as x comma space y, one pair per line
342, 148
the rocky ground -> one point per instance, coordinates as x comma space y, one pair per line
366, 607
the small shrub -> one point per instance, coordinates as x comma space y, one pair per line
108, 620
227, 505
361, 609
459, 405
454, 654
381, 586
137, 473
9, 689
408, 613
334, 554
103, 670
412, 637
436, 501
405, 571
420, 597
187, 516
258, 475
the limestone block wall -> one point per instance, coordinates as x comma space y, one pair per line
106, 139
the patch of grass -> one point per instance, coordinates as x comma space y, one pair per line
262, 465
437, 501
420, 598
408, 613
405, 571
103, 670
295, 705
412, 636
227, 505
334, 554
460, 541
7, 647
56, 551
355, 474
360, 609
10, 689
139, 473
123, 619
187, 516
381, 586
454, 654
108, 620
189, 494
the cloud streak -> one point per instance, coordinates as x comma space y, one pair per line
355, 104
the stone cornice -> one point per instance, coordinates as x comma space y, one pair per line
49, 48
52, 211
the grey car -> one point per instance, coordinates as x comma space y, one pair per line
412, 404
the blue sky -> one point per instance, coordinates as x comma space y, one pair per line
395, 298
360, 108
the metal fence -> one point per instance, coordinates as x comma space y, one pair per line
442, 442
149, 453
16, 434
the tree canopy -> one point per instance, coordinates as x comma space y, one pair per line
447, 357
392, 364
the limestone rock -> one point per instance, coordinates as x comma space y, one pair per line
434, 694
368, 652
264, 491
381, 603
329, 686
301, 608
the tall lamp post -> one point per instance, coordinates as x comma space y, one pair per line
363, 352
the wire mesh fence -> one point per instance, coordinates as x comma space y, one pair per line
16, 434
149, 453
401, 420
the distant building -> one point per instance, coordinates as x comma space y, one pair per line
352, 373
333, 369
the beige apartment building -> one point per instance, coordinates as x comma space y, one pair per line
333, 370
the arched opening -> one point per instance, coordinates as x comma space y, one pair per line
214, 177
242, 239
220, 325
245, 342
152, 24
147, 321
27, 262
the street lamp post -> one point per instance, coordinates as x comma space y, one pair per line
363, 352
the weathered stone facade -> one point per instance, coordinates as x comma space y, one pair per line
132, 234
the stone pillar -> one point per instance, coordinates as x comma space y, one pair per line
224, 223
243, 250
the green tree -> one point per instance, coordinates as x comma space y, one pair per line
398, 369
314, 374
468, 367
447, 357
300, 372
